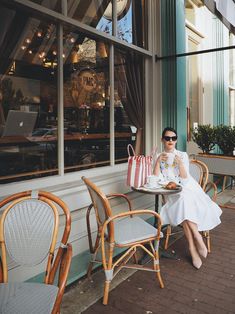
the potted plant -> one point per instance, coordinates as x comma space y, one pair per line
225, 138
204, 137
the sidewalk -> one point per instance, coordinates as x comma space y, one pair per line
187, 290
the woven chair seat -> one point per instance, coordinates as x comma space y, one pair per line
27, 298
133, 229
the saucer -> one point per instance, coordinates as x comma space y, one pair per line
163, 182
148, 186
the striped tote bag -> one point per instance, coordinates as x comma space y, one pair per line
139, 168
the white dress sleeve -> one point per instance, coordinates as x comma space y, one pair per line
185, 160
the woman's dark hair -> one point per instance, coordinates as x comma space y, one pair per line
168, 129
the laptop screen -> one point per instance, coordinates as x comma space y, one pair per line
19, 123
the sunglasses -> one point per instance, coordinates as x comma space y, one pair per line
168, 138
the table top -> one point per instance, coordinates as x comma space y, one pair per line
157, 191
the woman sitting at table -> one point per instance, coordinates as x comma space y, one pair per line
192, 207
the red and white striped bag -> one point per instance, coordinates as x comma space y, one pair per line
139, 167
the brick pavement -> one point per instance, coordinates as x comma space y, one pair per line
187, 290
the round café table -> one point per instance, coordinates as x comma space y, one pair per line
156, 192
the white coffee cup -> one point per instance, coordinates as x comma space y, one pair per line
170, 158
152, 180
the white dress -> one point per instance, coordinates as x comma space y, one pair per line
192, 203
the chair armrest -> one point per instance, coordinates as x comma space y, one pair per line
120, 195
64, 268
1, 271
211, 186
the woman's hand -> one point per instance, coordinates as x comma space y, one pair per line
178, 160
162, 157
180, 164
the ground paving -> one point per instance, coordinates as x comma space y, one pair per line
211, 289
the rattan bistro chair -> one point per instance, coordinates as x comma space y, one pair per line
28, 233
124, 230
199, 171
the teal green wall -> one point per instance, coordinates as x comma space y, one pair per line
220, 83
174, 70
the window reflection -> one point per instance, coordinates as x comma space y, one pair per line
86, 109
28, 97
29, 105
131, 22
92, 13
54, 5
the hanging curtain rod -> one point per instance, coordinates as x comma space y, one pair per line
193, 53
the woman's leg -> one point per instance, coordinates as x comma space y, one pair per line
201, 247
197, 263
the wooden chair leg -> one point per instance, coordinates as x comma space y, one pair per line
89, 269
135, 256
108, 270
168, 233
106, 292
96, 248
157, 269
160, 279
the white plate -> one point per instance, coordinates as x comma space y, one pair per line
152, 187
163, 182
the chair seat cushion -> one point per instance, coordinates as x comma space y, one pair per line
27, 298
132, 229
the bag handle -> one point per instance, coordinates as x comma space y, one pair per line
129, 146
154, 151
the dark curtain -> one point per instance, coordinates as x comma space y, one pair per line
134, 102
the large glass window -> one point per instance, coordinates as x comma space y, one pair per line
102, 114
86, 103
28, 97
54, 5
130, 20
95, 13
132, 26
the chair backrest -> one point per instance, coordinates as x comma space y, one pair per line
99, 201
29, 228
199, 171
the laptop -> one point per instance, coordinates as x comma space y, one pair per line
19, 123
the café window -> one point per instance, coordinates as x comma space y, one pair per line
131, 19
95, 13
98, 124
87, 107
28, 97
86, 104
132, 22
54, 5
